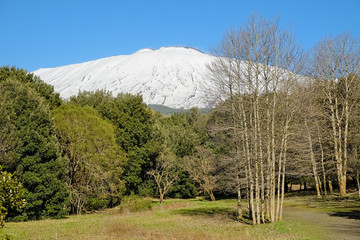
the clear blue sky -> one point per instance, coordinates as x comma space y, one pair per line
50, 33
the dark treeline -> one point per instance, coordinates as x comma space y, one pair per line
283, 118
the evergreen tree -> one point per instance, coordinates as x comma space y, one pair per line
44, 90
31, 148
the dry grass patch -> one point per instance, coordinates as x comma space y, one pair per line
127, 231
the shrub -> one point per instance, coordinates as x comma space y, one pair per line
11, 195
134, 203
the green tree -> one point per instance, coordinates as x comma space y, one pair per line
9, 142
11, 195
31, 150
44, 90
179, 134
95, 160
182, 133
134, 131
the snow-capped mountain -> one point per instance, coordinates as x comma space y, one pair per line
169, 76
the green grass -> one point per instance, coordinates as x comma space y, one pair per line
330, 203
174, 219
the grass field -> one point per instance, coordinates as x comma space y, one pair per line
184, 219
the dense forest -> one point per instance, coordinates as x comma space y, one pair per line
281, 117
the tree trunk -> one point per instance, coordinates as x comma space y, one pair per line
257, 193
342, 186
331, 187
336, 135
283, 183
261, 158
313, 161
318, 192
268, 159
237, 145
248, 190
239, 207
358, 182
256, 151
322, 160
273, 158
279, 177
161, 198
339, 151
212, 197
346, 136
248, 160
252, 201
282, 164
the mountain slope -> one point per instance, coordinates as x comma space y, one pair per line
169, 76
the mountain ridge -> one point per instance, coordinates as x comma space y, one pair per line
169, 76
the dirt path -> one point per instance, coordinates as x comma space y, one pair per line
331, 225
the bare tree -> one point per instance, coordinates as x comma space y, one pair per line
224, 130
202, 168
165, 172
335, 63
309, 131
354, 140
256, 69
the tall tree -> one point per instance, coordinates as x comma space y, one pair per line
95, 160
335, 63
311, 137
181, 134
256, 69
354, 140
133, 122
31, 149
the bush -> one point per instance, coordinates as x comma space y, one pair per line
11, 195
148, 189
97, 202
5, 237
134, 203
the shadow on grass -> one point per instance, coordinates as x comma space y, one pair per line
207, 212
213, 212
354, 214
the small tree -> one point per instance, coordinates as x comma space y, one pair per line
165, 172
11, 195
202, 167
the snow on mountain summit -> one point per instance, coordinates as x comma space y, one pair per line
169, 76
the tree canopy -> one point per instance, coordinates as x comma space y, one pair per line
95, 161
29, 147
